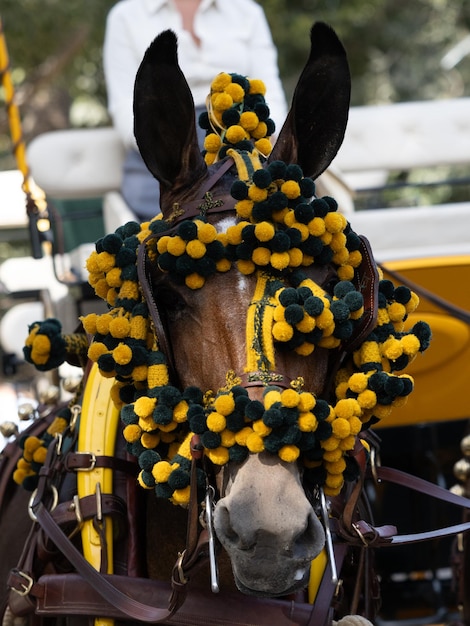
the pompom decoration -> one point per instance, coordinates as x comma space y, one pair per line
282, 229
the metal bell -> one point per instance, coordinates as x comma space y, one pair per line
462, 469
465, 445
7, 429
26, 411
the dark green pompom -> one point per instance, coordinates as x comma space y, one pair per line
112, 243
254, 410
178, 479
237, 453
307, 187
210, 440
262, 178
277, 169
294, 172
239, 190
230, 117
294, 314
288, 296
187, 230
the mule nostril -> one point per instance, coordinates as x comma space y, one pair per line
223, 526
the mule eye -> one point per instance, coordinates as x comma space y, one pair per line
170, 303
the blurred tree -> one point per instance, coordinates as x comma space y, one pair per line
395, 49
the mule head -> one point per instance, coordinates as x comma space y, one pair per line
264, 521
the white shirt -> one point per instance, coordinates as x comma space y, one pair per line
234, 37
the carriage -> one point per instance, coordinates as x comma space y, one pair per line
246, 399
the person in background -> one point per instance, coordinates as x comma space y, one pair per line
213, 36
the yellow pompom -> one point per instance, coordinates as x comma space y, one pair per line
271, 397
227, 438
410, 344
224, 404
122, 354
334, 481
89, 323
307, 422
176, 246
196, 249
246, 267
235, 134
260, 132
396, 312
341, 428
113, 277
296, 257
103, 322
132, 433
242, 435
222, 101
348, 442
218, 456
355, 425
282, 331
254, 443
367, 399
180, 412
305, 349
333, 455
330, 444
264, 231
264, 146
91, 263
162, 243
39, 455
289, 453
290, 398
105, 261
143, 406
336, 467
212, 143
244, 209
335, 222
150, 440
161, 471
194, 281
236, 92
181, 496
216, 422
209, 158
221, 81
257, 86
306, 401
307, 324
261, 256
119, 327
223, 265
96, 350
346, 408
261, 429
280, 260
206, 233
249, 120
291, 189
256, 194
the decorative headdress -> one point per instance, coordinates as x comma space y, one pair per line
281, 230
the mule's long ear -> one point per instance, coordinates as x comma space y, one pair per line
314, 129
164, 117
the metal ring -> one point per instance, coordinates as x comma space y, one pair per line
55, 501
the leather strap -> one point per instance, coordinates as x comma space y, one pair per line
86, 461
445, 305
361, 533
127, 605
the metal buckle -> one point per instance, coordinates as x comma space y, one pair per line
92, 463
26, 587
360, 535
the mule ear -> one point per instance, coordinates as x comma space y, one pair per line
314, 128
164, 117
